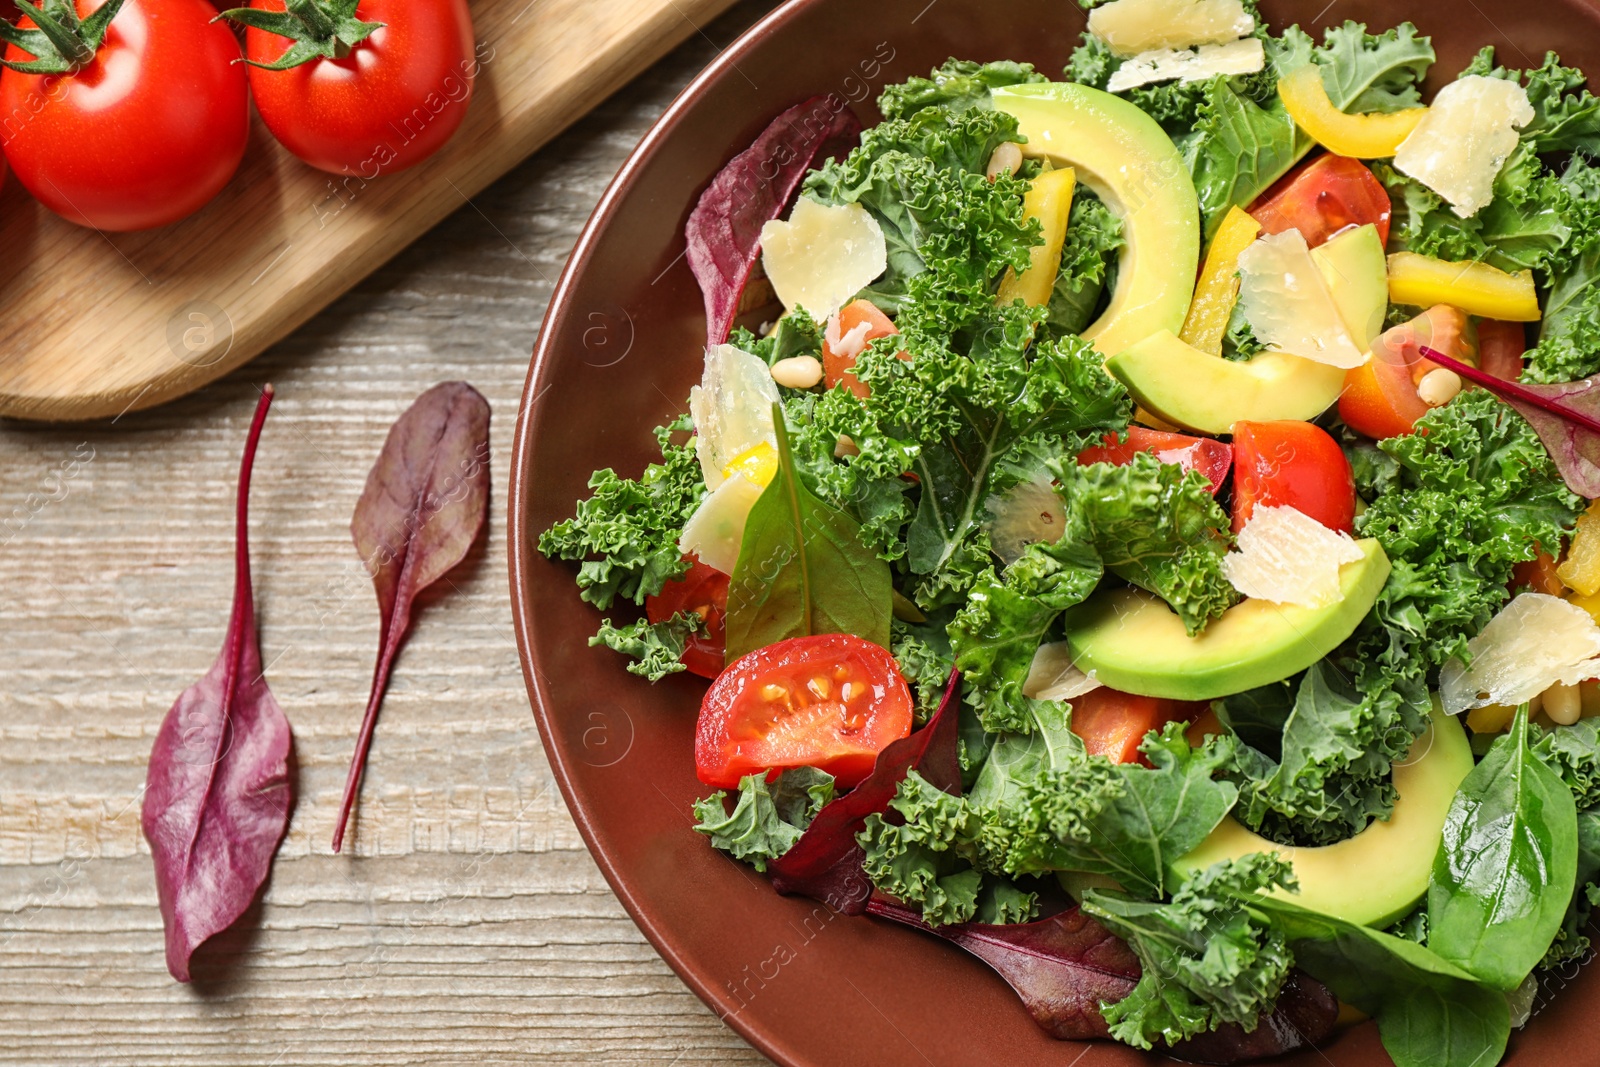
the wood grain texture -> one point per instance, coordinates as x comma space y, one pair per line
98, 324
465, 923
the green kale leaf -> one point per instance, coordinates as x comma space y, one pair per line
1208, 958
632, 525
655, 647
958, 84
767, 820
1088, 258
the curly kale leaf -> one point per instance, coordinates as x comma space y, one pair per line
656, 648
1366, 72
925, 856
958, 84
1573, 752
1156, 525
795, 334
1566, 116
1208, 957
1094, 240
632, 525
767, 820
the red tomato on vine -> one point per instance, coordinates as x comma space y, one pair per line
123, 115
362, 88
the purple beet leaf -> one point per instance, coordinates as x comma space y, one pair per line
1565, 415
825, 864
757, 185
424, 505
217, 795
1064, 967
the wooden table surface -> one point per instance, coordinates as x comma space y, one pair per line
467, 924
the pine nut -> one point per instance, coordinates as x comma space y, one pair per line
1562, 704
797, 372
1007, 157
1438, 387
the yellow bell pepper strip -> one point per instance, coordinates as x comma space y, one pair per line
758, 463
1357, 136
1050, 201
1490, 719
1476, 288
1218, 288
1581, 569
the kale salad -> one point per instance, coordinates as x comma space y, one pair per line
1155, 536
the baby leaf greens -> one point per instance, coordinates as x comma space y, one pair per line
803, 569
1504, 873
422, 509
217, 795
724, 230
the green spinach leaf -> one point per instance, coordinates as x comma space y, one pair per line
1507, 865
1430, 1013
803, 569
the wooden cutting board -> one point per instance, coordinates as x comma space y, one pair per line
98, 324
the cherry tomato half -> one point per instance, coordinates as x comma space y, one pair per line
832, 701
1113, 724
702, 590
1210, 457
143, 134
859, 323
1500, 348
1380, 396
389, 104
1292, 464
1538, 575
1322, 197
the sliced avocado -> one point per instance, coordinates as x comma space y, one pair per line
1194, 389
1378, 875
1130, 640
1124, 156
1357, 274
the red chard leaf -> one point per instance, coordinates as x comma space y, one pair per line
1064, 967
825, 864
217, 794
1565, 415
424, 506
757, 185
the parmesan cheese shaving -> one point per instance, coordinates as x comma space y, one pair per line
1535, 642
1287, 557
716, 529
732, 409
1166, 64
1052, 675
1130, 27
1465, 138
822, 256
1283, 296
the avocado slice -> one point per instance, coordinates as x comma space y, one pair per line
1378, 875
1120, 153
1130, 640
1190, 388
1356, 271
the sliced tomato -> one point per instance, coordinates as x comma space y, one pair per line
832, 701
1292, 464
703, 591
1380, 396
1322, 197
1210, 457
1113, 724
1538, 575
1500, 348
858, 323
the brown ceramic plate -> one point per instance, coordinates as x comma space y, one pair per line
620, 348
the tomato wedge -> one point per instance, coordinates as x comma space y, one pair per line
1113, 724
1322, 197
1380, 396
1292, 464
1210, 457
702, 590
832, 701
1500, 348
1538, 575
859, 323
